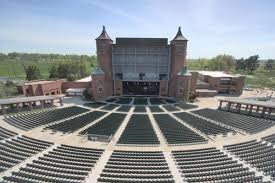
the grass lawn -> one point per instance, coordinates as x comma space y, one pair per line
15, 70
7, 91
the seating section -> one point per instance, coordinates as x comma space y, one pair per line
71, 125
95, 105
109, 107
156, 101
155, 109
19, 149
211, 165
140, 109
124, 108
63, 164
140, 101
170, 101
124, 101
4, 133
30, 120
135, 167
247, 123
257, 154
270, 138
139, 130
201, 124
170, 108
111, 100
185, 106
107, 126
175, 132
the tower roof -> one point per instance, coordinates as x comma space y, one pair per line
104, 35
97, 71
184, 72
179, 36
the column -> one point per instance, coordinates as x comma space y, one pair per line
42, 103
263, 112
270, 111
17, 107
250, 109
52, 101
258, 108
61, 101
30, 105
220, 106
246, 108
239, 107
3, 109
229, 106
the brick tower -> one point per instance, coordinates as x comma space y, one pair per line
104, 58
178, 61
98, 81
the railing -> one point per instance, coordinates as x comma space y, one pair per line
95, 137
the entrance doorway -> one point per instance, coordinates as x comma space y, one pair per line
140, 88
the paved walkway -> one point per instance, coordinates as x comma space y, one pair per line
98, 168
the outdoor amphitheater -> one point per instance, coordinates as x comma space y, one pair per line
136, 139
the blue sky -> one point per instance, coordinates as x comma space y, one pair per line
238, 27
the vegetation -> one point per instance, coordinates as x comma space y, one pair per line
7, 89
32, 73
262, 79
70, 70
218, 63
12, 65
269, 65
250, 64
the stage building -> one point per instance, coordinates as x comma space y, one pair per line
141, 66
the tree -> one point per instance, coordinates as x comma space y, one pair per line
32, 73
3, 56
62, 71
249, 64
53, 73
262, 80
222, 62
93, 61
252, 63
240, 64
270, 64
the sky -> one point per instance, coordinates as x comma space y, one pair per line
237, 27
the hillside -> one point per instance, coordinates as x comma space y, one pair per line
12, 64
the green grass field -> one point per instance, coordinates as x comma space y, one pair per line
15, 70
7, 91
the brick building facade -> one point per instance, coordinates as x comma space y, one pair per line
141, 66
37, 88
210, 83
